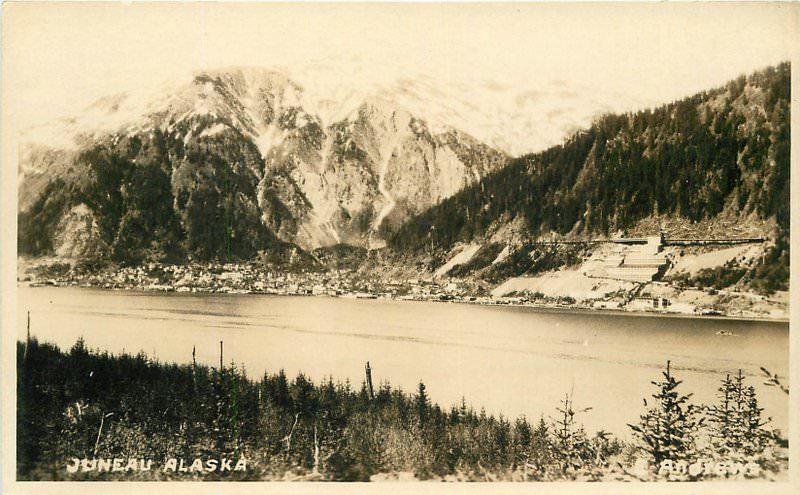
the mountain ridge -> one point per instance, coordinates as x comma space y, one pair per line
292, 177
744, 126
721, 152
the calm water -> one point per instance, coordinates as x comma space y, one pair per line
508, 360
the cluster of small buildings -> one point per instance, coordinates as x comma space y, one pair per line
643, 262
246, 278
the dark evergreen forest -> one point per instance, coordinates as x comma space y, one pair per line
86, 404
724, 149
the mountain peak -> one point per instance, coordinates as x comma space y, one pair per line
513, 119
309, 167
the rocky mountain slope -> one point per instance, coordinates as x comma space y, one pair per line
231, 163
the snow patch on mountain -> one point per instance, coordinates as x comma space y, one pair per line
462, 257
502, 255
396, 132
213, 130
268, 138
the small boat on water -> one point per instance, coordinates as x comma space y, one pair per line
726, 333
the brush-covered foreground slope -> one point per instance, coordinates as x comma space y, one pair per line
229, 164
716, 161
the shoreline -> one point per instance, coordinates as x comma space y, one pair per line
544, 308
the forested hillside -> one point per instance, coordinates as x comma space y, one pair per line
723, 150
137, 206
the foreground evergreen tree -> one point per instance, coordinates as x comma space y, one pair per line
571, 442
736, 426
422, 403
669, 429
721, 416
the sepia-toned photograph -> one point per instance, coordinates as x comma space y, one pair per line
479, 242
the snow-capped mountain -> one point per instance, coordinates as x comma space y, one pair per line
244, 152
341, 151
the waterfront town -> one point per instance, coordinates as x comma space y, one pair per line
248, 278
627, 292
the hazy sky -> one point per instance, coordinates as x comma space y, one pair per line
58, 58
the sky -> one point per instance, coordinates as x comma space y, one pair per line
58, 58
